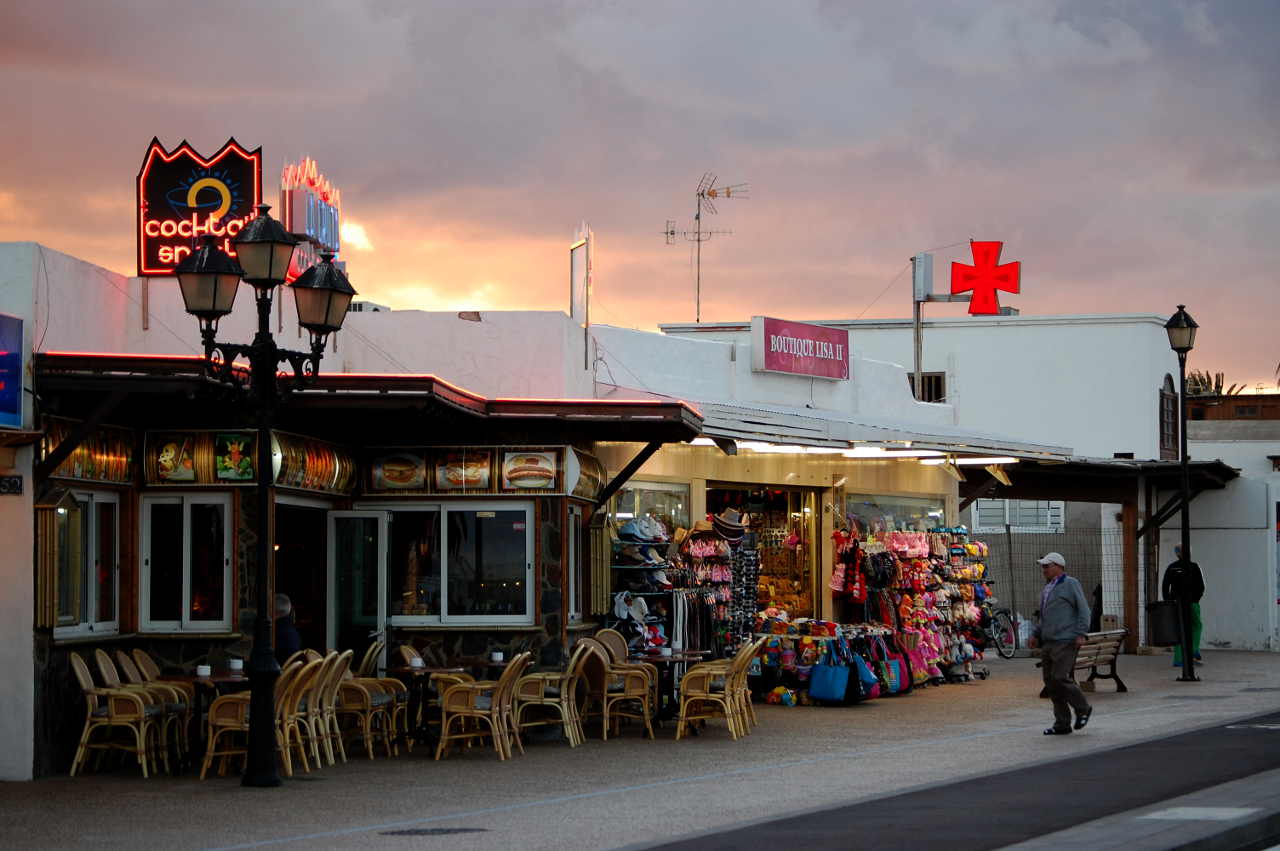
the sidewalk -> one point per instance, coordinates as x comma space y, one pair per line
633, 792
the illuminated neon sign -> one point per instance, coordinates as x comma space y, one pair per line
182, 196
985, 278
310, 206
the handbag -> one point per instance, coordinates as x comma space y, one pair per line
897, 676
829, 682
866, 682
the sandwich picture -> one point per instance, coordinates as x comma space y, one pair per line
400, 471
527, 470
459, 470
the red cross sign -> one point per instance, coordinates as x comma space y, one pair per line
985, 277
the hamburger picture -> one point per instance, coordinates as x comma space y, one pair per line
529, 470
401, 471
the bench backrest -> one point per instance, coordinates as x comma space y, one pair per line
1100, 648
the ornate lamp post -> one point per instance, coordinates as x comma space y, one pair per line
209, 279
1181, 329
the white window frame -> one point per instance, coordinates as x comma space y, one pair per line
444, 618
1006, 507
88, 576
185, 624
573, 564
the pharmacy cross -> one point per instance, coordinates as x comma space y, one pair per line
985, 277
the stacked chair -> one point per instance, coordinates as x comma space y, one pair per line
132, 711
718, 689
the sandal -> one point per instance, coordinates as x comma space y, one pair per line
1083, 718
1057, 731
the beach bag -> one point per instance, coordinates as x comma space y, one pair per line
863, 683
829, 683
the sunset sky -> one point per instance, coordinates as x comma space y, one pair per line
1128, 153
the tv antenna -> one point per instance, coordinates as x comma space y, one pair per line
707, 194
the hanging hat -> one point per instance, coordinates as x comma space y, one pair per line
728, 524
702, 526
680, 535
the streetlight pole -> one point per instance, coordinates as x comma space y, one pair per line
209, 279
1181, 329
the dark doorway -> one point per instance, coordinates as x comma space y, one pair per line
301, 568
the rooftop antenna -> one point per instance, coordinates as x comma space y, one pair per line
707, 194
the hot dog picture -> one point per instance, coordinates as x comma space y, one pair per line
457, 470
526, 470
400, 471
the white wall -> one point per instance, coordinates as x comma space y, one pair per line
708, 370
1088, 382
1233, 540
17, 603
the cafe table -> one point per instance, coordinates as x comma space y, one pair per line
418, 678
666, 664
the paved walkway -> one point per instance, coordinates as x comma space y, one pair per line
631, 791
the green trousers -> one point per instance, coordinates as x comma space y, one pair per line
1196, 628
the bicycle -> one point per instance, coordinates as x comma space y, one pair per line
999, 631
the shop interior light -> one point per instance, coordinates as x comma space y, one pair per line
1001, 459
881, 452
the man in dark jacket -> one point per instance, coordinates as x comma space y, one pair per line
1184, 583
1064, 622
288, 641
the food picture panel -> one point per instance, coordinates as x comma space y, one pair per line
233, 457
400, 471
464, 469
175, 458
529, 471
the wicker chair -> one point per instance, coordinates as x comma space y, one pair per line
151, 673
555, 695
368, 702
178, 704
626, 686
616, 644
229, 717
487, 704
107, 708
331, 729
315, 729
368, 666
291, 715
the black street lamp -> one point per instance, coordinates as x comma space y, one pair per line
208, 279
1181, 329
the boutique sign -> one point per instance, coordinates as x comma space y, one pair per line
799, 348
183, 195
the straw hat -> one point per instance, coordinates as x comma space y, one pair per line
728, 524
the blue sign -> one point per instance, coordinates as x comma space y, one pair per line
10, 371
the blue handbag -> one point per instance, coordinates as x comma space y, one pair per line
828, 682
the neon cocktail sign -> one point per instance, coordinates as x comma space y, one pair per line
182, 196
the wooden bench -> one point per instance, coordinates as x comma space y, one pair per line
1100, 648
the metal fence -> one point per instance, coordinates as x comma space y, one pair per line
1093, 556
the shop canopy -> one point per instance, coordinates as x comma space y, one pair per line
158, 391
833, 430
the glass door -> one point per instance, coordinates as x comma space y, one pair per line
357, 580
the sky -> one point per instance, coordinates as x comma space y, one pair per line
1127, 153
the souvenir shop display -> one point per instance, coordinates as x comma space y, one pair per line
912, 606
784, 564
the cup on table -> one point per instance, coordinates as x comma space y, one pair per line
665, 651
204, 670
235, 665
416, 662
497, 656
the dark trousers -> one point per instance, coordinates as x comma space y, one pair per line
1057, 658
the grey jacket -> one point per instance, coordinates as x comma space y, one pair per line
1066, 614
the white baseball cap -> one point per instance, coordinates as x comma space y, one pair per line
1053, 558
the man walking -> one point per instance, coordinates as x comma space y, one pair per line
1064, 621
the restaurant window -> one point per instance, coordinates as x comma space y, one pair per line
933, 386
186, 563
88, 565
461, 563
1168, 420
573, 564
